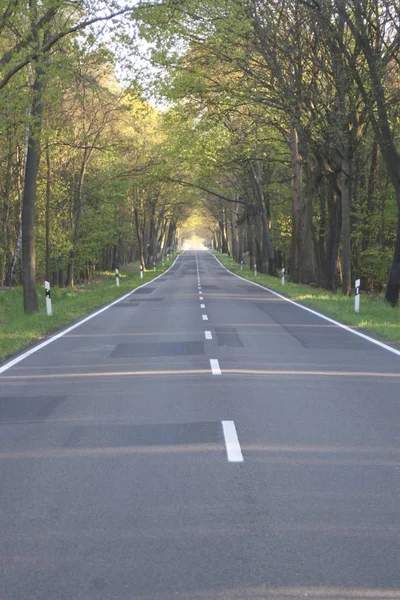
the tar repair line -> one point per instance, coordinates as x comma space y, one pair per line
233, 449
208, 335
314, 312
197, 267
22, 357
215, 368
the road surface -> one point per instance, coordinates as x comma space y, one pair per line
202, 439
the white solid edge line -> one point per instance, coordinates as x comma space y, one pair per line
314, 312
233, 449
208, 335
205, 318
215, 368
22, 357
202, 305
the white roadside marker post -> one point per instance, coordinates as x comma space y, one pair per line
141, 272
48, 298
283, 275
255, 270
357, 296
241, 265
154, 266
117, 277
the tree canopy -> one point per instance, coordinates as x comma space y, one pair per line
269, 130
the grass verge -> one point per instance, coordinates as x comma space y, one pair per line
375, 316
18, 330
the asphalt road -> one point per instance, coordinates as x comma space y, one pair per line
143, 458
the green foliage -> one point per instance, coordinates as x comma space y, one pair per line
375, 265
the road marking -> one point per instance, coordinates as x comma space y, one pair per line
208, 335
215, 366
202, 305
233, 449
314, 312
205, 318
201, 298
24, 355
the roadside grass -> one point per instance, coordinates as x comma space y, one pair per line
18, 330
375, 316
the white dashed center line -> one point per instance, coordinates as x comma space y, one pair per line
215, 366
201, 298
208, 335
204, 317
233, 449
202, 305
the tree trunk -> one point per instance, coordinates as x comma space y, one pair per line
393, 283
166, 236
345, 203
11, 273
79, 202
267, 254
114, 264
140, 238
322, 230
333, 235
241, 242
250, 241
5, 217
10, 277
302, 250
152, 250
296, 205
224, 242
48, 197
29, 195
